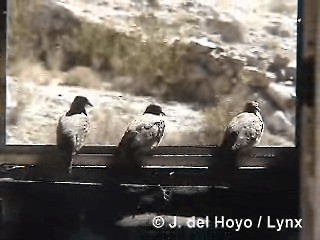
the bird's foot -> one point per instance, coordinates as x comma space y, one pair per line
167, 193
70, 170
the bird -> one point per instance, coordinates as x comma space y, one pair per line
242, 133
141, 135
72, 129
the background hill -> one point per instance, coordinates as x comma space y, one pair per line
201, 60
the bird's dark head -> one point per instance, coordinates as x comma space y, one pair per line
252, 107
78, 105
154, 109
82, 101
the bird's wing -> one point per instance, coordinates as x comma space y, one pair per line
145, 132
152, 132
244, 130
75, 128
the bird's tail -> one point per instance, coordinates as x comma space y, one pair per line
67, 157
227, 156
128, 152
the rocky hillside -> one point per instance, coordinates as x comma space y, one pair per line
201, 60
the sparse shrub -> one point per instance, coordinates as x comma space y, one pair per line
32, 71
103, 125
82, 76
88, 44
216, 119
19, 97
37, 30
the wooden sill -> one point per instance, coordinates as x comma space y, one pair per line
265, 169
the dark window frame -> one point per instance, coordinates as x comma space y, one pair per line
3, 58
280, 182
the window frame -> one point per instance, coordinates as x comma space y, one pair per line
3, 61
20, 152
38, 154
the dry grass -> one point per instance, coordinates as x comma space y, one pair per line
82, 76
37, 31
216, 119
18, 25
87, 44
106, 127
32, 71
21, 96
90, 45
53, 37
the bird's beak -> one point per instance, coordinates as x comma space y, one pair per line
89, 104
163, 114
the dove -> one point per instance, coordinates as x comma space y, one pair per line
142, 134
242, 133
72, 129
245, 129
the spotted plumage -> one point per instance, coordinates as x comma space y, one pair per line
245, 129
142, 134
243, 132
72, 129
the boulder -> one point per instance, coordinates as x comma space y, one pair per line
230, 29
278, 123
279, 29
251, 59
279, 65
255, 77
202, 45
284, 96
280, 60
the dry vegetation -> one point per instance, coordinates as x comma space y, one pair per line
103, 126
82, 76
217, 117
61, 47
58, 46
215, 120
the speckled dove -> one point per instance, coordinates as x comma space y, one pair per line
72, 129
142, 134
